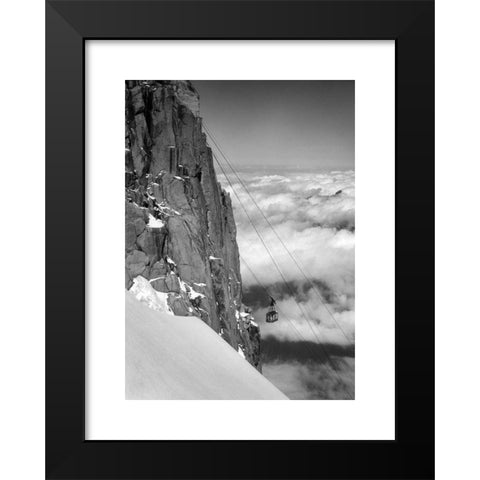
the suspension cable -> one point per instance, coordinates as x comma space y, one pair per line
297, 331
265, 246
300, 268
292, 293
305, 316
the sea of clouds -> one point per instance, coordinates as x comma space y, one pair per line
309, 352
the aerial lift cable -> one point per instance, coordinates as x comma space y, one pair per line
292, 293
298, 332
297, 263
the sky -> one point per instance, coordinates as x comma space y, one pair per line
301, 124
297, 140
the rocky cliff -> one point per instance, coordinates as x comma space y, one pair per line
180, 233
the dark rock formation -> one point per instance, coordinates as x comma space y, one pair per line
180, 232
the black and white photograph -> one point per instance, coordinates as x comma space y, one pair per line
150, 307
239, 240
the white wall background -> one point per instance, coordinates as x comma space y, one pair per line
458, 262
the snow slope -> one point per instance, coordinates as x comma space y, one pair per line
173, 357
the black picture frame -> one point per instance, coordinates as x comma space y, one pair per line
69, 24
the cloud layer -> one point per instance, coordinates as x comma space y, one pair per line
313, 381
313, 215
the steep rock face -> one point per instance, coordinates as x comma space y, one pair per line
180, 232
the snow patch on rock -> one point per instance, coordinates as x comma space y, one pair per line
240, 352
145, 293
154, 222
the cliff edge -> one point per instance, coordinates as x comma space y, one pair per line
180, 234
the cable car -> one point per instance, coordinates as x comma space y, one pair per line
272, 315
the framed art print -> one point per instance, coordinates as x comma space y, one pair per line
247, 225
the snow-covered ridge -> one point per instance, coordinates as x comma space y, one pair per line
159, 301
181, 358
